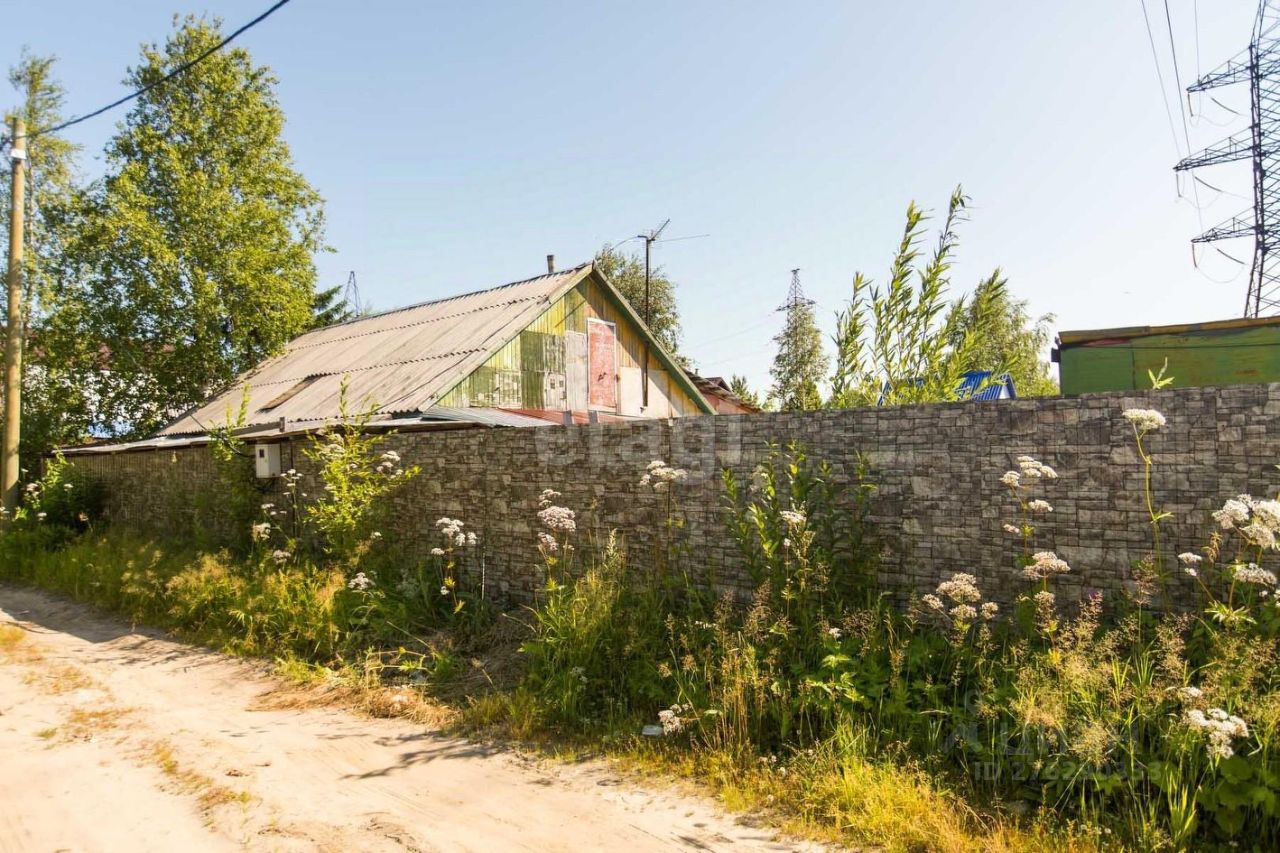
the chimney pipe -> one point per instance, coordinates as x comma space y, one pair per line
551, 263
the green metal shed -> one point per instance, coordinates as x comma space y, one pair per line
1226, 352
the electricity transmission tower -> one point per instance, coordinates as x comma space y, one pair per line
795, 295
1259, 66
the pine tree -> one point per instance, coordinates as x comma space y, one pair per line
800, 363
743, 391
193, 258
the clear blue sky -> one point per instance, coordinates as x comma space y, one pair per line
456, 144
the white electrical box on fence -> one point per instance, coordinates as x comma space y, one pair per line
266, 460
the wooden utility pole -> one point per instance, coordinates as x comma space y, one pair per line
649, 239
10, 465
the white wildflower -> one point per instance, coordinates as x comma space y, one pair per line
1233, 512
671, 720
1038, 505
444, 590
1011, 479
932, 601
281, 557
260, 531
990, 609
1190, 694
548, 497
961, 588
450, 528
1044, 598
792, 517
835, 633
964, 613
437, 552
558, 518
471, 539
1268, 513
1219, 726
1189, 559
547, 542
1253, 574
1044, 564
1144, 420
661, 475
375, 535
1012, 529
1259, 534
360, 582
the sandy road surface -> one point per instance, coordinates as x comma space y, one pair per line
118, 739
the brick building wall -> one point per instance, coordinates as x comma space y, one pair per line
938, 506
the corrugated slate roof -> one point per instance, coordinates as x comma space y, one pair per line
402, 361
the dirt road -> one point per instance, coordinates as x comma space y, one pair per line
113, 738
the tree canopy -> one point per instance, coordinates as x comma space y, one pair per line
55, 407
1005, 339
192, 259
626, 272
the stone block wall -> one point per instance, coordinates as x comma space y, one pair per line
938, 506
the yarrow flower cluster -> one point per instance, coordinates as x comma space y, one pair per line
451, 529
280, 556
1044, 564
1144, 420
1251, 573
962, 588
547, 542
962, 591
792, 517
1039, 506
660, 475
1220, 727
389, 463
360, 582
261, 531
1033, 469
558, 519
672, 723
1258, 521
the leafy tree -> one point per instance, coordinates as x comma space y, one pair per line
626, 272
739, 386
54, 404
192, 260
1009, 340
904, 344
800, 363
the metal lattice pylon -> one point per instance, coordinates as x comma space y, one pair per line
1259, 66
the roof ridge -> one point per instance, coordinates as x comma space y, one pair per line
427, 302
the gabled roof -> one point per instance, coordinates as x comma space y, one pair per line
402, 360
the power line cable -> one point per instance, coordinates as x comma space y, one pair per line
1177, 75
1164, 96
1225, 107
186, 66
